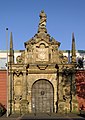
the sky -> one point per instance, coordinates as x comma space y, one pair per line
21, 17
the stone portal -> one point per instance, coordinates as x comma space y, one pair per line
42, 80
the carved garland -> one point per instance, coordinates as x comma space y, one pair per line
18, 72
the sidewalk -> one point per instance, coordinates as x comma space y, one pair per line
12, 117
53, 116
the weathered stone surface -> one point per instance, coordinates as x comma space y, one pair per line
41, 61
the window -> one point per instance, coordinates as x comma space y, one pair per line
3, 62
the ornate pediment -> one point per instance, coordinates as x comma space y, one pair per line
42, 34
42, 47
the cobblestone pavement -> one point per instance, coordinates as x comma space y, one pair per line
43, 116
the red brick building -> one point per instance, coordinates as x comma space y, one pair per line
3, 87
80, 85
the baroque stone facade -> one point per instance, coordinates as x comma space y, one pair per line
42, 80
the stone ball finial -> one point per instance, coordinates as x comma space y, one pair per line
42, 14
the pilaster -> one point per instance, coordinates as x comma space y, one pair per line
24, 102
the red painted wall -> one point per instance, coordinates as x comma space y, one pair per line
3, 87
80, 85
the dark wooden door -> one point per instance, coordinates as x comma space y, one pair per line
42, 96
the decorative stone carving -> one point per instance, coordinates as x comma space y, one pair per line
43, 17
42, 53
63, 59
19, 60
18, 72
42, 67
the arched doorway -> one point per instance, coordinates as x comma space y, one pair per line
42, 96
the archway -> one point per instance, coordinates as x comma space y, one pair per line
42, 96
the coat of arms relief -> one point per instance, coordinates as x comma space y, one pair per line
42, 53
